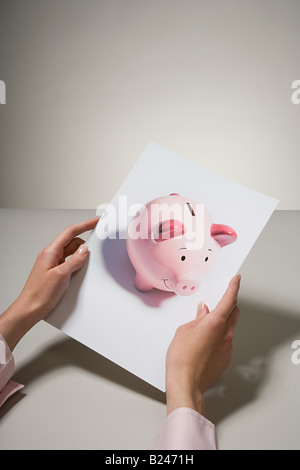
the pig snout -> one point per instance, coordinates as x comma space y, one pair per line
186, 286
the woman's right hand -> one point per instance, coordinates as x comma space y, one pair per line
201, 351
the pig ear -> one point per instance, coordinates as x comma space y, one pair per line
223, 234
168, 229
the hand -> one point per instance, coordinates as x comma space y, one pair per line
46, 283
201, 351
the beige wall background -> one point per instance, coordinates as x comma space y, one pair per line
90, 83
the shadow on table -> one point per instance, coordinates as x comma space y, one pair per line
260, 329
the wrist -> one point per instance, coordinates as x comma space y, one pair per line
17, 320
183, 392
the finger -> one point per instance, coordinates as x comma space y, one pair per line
232, 320
66, 236
72, 247
229, 299
202, 310
75, 262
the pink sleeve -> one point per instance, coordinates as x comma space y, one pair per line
7, 368
186, 429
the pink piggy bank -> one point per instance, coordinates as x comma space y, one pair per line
173, 243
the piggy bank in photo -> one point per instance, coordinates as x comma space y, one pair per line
172, 243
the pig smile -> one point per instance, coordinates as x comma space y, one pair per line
166, 284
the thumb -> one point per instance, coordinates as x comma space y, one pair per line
75, 262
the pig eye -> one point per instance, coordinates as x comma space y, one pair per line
182, 258
206, 259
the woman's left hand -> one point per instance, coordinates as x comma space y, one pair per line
47, 282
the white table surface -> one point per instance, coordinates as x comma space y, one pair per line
75, 399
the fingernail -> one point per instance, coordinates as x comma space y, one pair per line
239, 277
201, 308
83, 249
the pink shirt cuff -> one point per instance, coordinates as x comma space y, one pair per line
7, 368
186, 429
